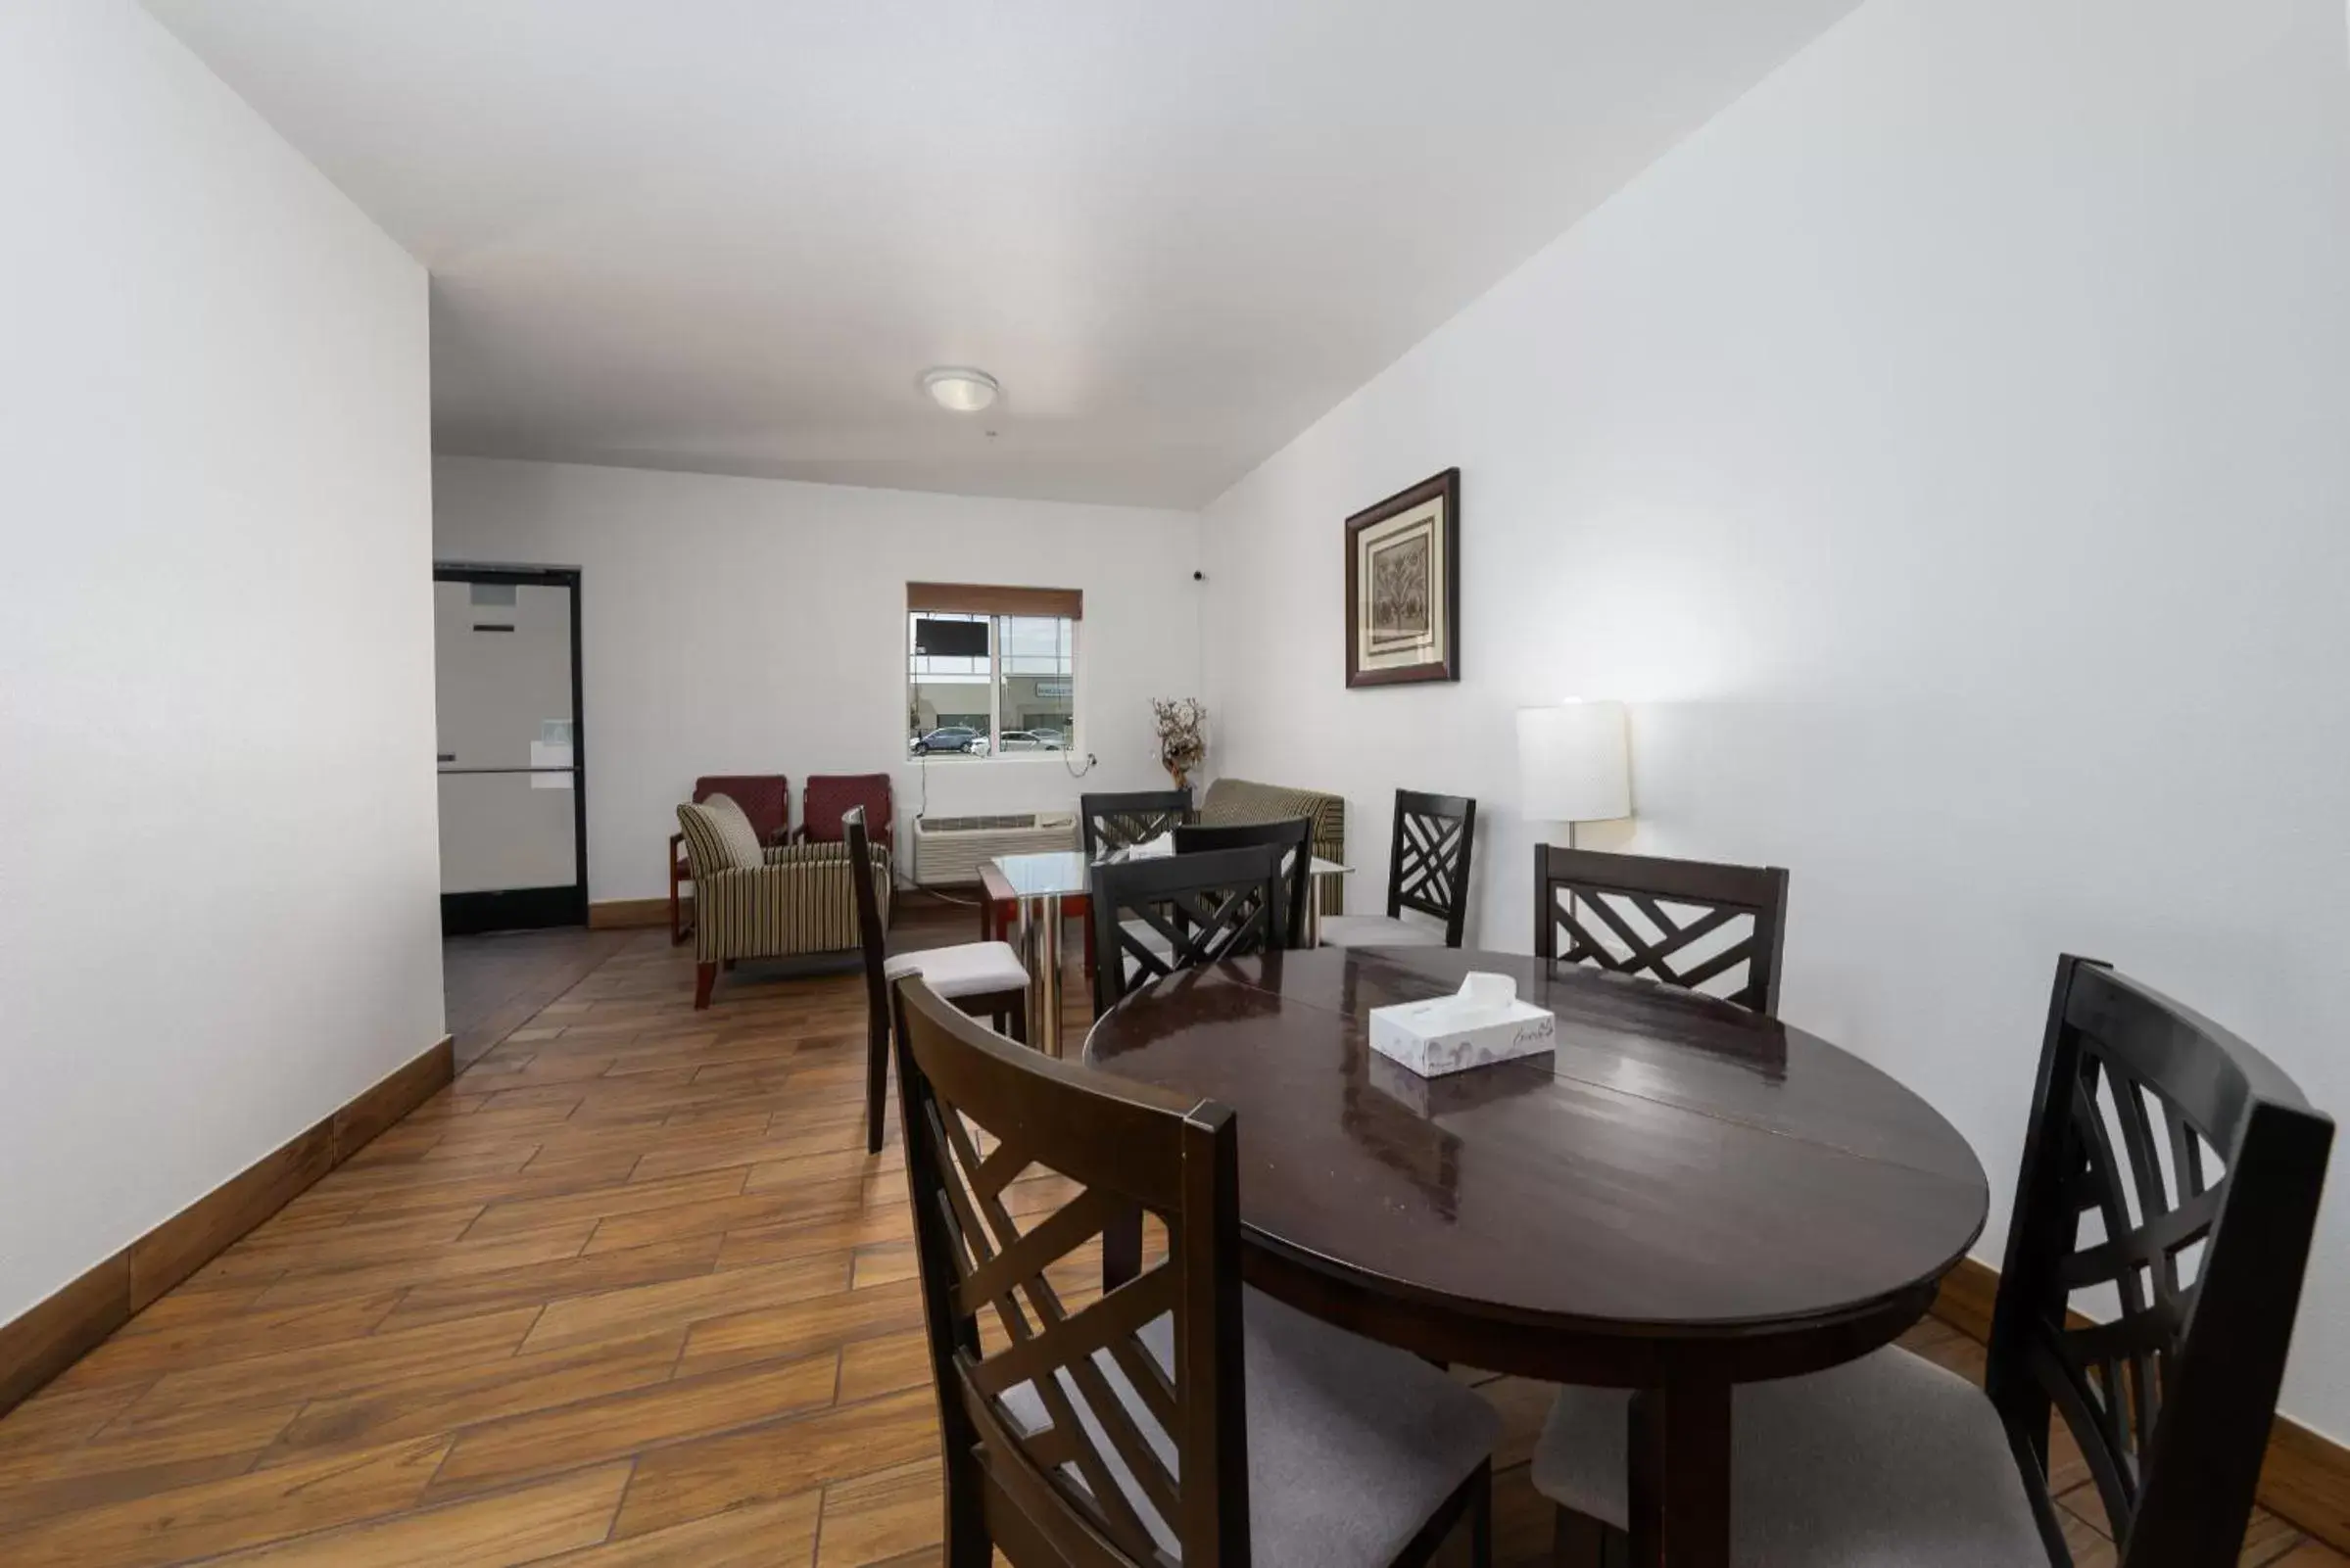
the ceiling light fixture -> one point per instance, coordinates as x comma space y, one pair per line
960, 389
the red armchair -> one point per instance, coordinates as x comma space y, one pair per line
831, 796
765, 798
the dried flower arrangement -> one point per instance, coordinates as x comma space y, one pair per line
1182, 736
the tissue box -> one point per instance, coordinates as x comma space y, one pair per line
1418, 1036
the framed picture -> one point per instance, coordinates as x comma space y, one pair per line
1403, 586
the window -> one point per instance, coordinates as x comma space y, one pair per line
991, 671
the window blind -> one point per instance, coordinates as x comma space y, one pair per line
985, 598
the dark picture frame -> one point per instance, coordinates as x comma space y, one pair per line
1403, 586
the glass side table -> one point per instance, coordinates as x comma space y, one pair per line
1039, 883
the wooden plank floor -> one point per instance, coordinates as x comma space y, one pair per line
630, 1293
494, 983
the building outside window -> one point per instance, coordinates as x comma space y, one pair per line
990, 680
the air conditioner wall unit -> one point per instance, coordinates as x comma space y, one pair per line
948, 850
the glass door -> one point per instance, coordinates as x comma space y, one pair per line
513, 825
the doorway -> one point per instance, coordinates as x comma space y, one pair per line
512, 763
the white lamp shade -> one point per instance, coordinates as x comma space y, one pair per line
1575, 763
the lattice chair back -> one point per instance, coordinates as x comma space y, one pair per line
2170, 1187
1701, 926
1105, 1430
1427, 862
1110, 823
1154, 917
1293, 837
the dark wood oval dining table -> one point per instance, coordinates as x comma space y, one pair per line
1681, 1196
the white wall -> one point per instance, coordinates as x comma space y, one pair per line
218, 917
1947, 451
756, 626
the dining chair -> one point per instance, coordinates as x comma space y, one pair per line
1154, 917
2154, 1260
1294, 838
1119, 820
1183, 1417
982, 977
1427, 873
1695, 925
1687, 923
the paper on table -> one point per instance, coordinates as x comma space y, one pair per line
1483, 998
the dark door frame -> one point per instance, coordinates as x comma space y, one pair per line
529, 908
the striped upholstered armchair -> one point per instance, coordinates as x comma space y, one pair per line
754, 900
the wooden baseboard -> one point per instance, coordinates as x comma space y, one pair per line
638, 913
57, 1332
1965, 1299
939, 896
632, 913
2306, 1478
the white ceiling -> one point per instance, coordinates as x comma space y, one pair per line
729, 234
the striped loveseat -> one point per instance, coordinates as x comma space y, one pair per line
753, 900
1239, 800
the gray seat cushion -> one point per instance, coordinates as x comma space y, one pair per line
1377, 930
1129, 969
1886, 1462
1149, 936
969, 969
1351, 1444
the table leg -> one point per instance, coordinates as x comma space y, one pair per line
1313, 913
1039, 941
1679, 1480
